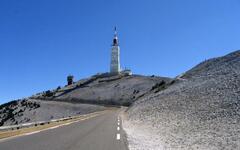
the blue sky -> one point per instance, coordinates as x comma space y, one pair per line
42, 41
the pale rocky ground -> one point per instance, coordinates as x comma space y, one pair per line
200, 111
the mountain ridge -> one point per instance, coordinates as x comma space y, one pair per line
93, 93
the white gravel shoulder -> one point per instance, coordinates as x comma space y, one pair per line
141, 137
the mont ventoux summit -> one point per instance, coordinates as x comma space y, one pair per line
199, 109
116, 87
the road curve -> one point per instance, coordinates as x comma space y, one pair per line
103, 132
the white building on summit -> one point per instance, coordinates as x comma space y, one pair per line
115, 55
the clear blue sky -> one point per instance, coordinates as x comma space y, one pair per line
42, 41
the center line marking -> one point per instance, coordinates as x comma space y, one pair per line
118, 136
118, 123
118, 128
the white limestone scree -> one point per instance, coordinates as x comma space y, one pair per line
115, 55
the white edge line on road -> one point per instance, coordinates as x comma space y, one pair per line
118, 128
32, 133
25, 134
118, 136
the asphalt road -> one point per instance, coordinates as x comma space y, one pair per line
102, 132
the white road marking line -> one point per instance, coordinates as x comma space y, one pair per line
32, 133
118, 123
118, 128
118, 136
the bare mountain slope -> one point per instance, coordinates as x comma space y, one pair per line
216, 66
30, 110
113, 90
201, 112
86, 94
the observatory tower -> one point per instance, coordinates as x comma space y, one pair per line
115, 55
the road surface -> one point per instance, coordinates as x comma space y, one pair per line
103, 132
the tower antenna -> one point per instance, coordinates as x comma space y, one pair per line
115, 30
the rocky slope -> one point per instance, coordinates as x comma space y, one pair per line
202, 111
30, 110
106, 89
88, 95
